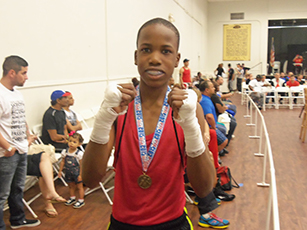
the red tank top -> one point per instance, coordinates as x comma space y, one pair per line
186, 75
165, 199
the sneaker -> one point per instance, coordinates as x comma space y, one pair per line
217, 200
70, 201
26, 223
79, 204
222, 195
213, 221
225, 151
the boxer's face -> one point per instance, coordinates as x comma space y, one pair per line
156, 55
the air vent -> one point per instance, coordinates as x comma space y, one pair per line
236, 16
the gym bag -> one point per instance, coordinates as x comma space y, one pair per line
225, 179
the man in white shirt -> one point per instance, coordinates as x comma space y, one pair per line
14, 142
255, 86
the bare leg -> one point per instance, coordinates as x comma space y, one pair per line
80, 190
72, 189
46, 181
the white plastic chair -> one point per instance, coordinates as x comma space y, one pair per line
300, 91
102, 184
82, 120
286, 101
266, 91
95, 110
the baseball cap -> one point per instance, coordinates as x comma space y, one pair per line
57, 94
185, 60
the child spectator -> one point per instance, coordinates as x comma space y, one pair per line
71, 162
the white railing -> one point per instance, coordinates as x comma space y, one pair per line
257, 121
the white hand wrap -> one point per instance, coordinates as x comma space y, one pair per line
106, 115
189, 123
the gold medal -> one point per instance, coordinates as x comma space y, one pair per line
144, 181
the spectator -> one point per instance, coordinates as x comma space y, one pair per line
14, 141
185, 73
301, 79
219, 70
292, 82
231, 78
73, 124
221, 108
72, 165
54, 129
255, 86
277, 81
207, 89
239, 76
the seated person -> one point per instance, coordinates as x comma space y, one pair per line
301, 79
221, 108
292, 82
277, 82
40, 165
207, 89
284, 77
71, 118
255, 86
54, 129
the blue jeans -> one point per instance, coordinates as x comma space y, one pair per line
12, 181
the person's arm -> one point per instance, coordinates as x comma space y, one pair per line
180, 76
189, 115
210, 119
200, 170
98, 150
57, 137
226, 95
221, 108
71, 127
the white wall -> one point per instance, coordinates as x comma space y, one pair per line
79, 45
257, 13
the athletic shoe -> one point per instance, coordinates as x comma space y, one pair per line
225, 151
26, 223
217, 200
213, 221
79, 204
70, 201
222, 195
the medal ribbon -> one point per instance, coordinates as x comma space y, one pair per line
146, 157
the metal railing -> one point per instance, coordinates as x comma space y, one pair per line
257, 121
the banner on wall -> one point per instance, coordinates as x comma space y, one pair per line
237, 42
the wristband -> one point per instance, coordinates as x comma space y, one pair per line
106, 115
189, 123
9, 149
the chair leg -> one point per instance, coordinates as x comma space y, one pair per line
29, 208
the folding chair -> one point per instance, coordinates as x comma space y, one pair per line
267, 95
285, 91
296, 92
245, 91
95, 109
82, 120
30, 181
102, 184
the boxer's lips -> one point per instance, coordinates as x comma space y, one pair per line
155, 73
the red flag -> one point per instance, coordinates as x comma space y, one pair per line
272, 54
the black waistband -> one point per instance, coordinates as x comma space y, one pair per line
170, 225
